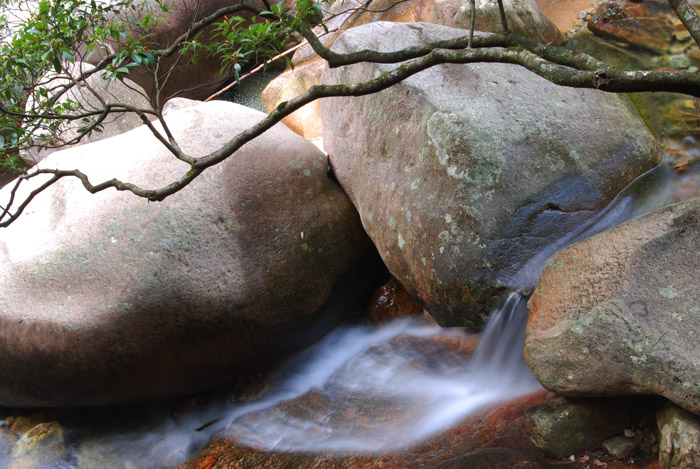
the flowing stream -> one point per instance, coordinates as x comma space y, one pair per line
362, 388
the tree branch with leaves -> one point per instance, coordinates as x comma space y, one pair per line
41, 63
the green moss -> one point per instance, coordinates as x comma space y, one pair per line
649, 116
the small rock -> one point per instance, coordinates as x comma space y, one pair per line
680, 438
678, 48
620, 447
391, 301
694, 55
563, 427
681, 36
21, 425
629, 433
583, 14
678, 61
41, 446
8, 439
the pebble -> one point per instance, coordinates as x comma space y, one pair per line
676, 49
681, 36
583, 14
678, 61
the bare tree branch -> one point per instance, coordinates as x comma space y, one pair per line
559, 66
688, 16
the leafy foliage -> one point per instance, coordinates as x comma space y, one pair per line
44, 46
265, 36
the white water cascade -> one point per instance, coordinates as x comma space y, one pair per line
427, 386
326, 398
406, 368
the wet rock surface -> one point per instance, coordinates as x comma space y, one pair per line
40, 447
495, 435
618, 313
612, 22
391, 301
462, 186
563, 427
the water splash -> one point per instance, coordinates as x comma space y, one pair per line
398, 382
360, 389
368, 389
648, 192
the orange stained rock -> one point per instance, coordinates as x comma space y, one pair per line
563, 13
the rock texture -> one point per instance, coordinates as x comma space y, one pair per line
562, 428
494, 437
307, 120
464, 174
42, 446
619, 313
391, 301
523, 16
343, 15
177, 76
680, 438
107, 298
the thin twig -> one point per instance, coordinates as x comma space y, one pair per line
504, 20
472, 22
255, 70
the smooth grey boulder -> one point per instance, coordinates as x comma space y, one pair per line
619, 313
108, 298
465, 174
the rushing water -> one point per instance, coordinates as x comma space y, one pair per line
362, 388
405, 385
371, 389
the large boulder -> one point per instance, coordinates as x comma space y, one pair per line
91, 96
619, 313
341, 16
679, 447
107, 298
177, 76
523, 17
464, 175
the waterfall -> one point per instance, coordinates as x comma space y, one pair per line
373, 389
